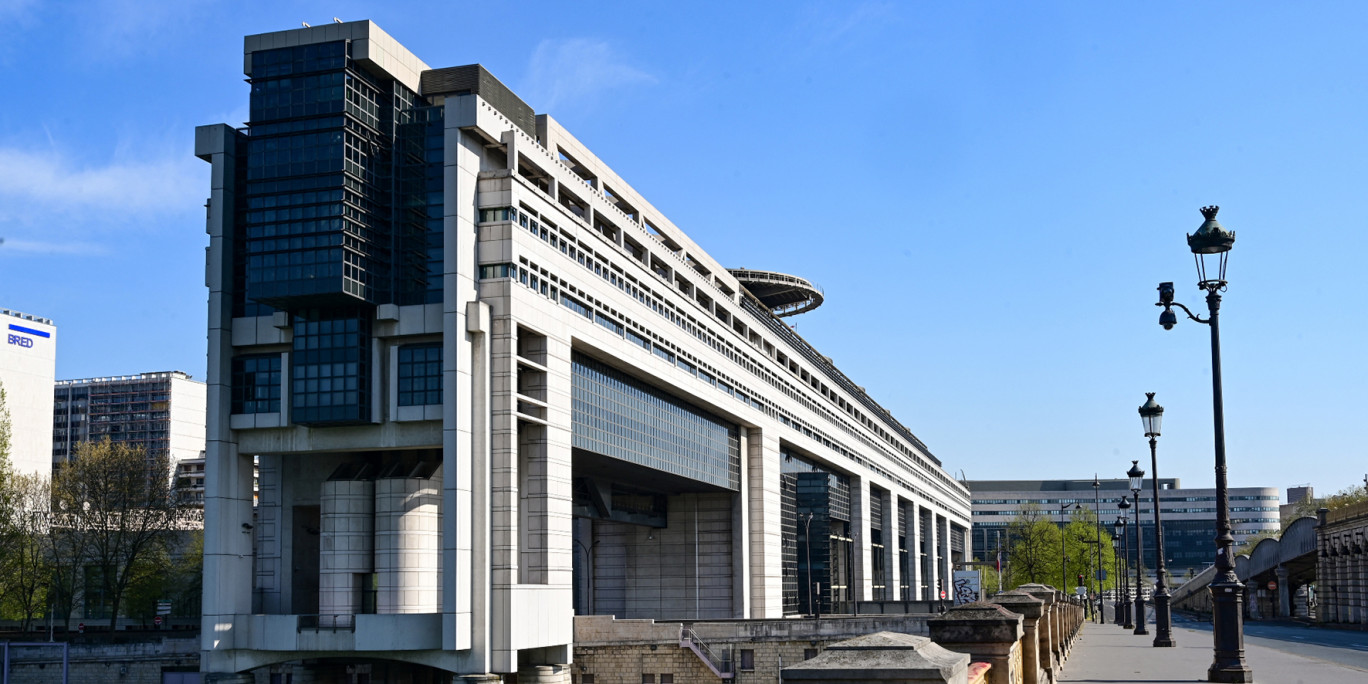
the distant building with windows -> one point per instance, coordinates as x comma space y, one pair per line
162, 413
1189, 515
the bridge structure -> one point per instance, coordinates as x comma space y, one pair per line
1278, 575
1317, 569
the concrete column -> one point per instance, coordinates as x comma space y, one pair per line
1048, 633
1284, 593
407, 540
988, 633
346, 544
766, 540
892, 573
1031, 609
544, 674
558, 483
862, 580
913, 534
929, 545
740, 525
947, 583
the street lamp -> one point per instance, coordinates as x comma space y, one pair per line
1121, 524
1151, 415
1116, 574
1210, 247
1137, 476
1097, 511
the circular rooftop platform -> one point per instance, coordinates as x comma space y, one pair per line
783, 294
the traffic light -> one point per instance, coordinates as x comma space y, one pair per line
1080, 579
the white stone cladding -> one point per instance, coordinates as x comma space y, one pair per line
407, 544
347, 544
496, 570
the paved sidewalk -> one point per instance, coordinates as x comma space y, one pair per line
1107, 653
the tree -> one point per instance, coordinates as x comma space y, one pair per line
1033, 553
27, 565
1081, 541
121, 502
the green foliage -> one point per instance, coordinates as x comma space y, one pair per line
1033, 553
119, 513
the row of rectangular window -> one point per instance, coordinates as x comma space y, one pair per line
701, 332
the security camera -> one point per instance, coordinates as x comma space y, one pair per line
246, 527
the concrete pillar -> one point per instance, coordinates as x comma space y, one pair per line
346, 544
1048, 627
407, 543
929, 545
862, 580
1031, 609
880, 658
945, 575
766, 526
889, 525
544, 674
988, 633
1284, 593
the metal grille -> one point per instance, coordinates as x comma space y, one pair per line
876, 509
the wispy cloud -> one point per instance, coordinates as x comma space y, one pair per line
28, 247
50, 205
831, 27
573, 72
121, 28
47, 181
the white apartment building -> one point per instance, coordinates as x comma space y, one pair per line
491, 387
28, 366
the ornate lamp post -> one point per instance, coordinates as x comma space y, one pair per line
1097, 510
1152, 414
1116, 575
1121, 523
1137, 477
1212, 243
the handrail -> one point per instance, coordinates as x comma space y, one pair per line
720, 666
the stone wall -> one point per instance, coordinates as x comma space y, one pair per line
140, 662
624, 651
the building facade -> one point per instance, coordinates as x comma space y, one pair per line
28, 367
1189, 515
491, 387
161, 413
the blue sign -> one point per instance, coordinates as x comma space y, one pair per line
20, 340
29, 331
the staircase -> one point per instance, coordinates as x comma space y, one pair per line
720, 664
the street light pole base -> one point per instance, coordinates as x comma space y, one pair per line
1161, 642
1240, 674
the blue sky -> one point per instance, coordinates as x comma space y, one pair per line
987, 192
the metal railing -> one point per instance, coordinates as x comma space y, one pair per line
721, 664
326, 623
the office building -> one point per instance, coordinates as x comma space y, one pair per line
490, 387
1189, 515
161, 413
28, 366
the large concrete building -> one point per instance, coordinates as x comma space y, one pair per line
491, 387
161, 413
1189, 515
28, 367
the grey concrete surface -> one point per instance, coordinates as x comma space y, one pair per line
1107, 653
